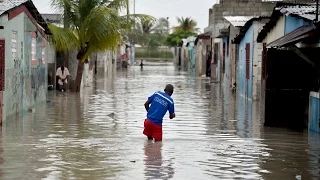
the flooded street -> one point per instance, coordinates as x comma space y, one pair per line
98, 135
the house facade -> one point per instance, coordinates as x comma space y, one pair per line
291, 45
203, 54
23, 59
228, 52
218, 25
250, 58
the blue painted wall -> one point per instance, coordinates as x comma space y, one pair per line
245, 85
314, 111
192, 58
292, 23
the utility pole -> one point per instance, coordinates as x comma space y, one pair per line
134, 6
167, 36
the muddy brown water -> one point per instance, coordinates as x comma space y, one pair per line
98, 135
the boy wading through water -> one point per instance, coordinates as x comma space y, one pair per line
160, 102
62, 75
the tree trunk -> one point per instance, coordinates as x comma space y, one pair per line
77, 83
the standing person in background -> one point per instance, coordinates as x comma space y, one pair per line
62, 76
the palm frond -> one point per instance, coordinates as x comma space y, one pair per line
187, 24
63, 39
101, 29
116, 4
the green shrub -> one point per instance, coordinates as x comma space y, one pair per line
154, 54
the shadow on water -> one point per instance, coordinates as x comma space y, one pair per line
98, 135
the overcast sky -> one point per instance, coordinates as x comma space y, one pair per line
197, 9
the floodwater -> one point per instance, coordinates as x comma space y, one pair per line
98, 135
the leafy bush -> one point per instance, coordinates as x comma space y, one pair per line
154, 54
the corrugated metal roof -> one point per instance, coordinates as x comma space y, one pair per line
245, 28
6, 4
238, 21
33, 11
307, 11
293, 37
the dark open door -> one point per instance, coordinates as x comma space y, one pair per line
289, 81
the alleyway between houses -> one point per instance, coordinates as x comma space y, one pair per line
98, 135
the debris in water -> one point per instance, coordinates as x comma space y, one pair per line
112, 115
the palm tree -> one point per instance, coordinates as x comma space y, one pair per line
186, 24
91, 26
147, 26
162, 25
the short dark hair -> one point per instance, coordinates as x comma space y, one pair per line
168, 88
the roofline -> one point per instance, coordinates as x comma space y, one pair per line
243, 30
36, 15
276, 14
295, 36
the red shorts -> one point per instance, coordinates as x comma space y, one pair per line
152, 130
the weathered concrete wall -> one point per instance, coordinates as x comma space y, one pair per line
237, 8
233, 54
257, 61
73, 66
26, 74
13, 71
227, 63
240, 8
106, 65
244, 84
37, 68
200, 49
51, 64
276, 32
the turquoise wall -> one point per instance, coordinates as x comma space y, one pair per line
12, 97
314, 114
25, 85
